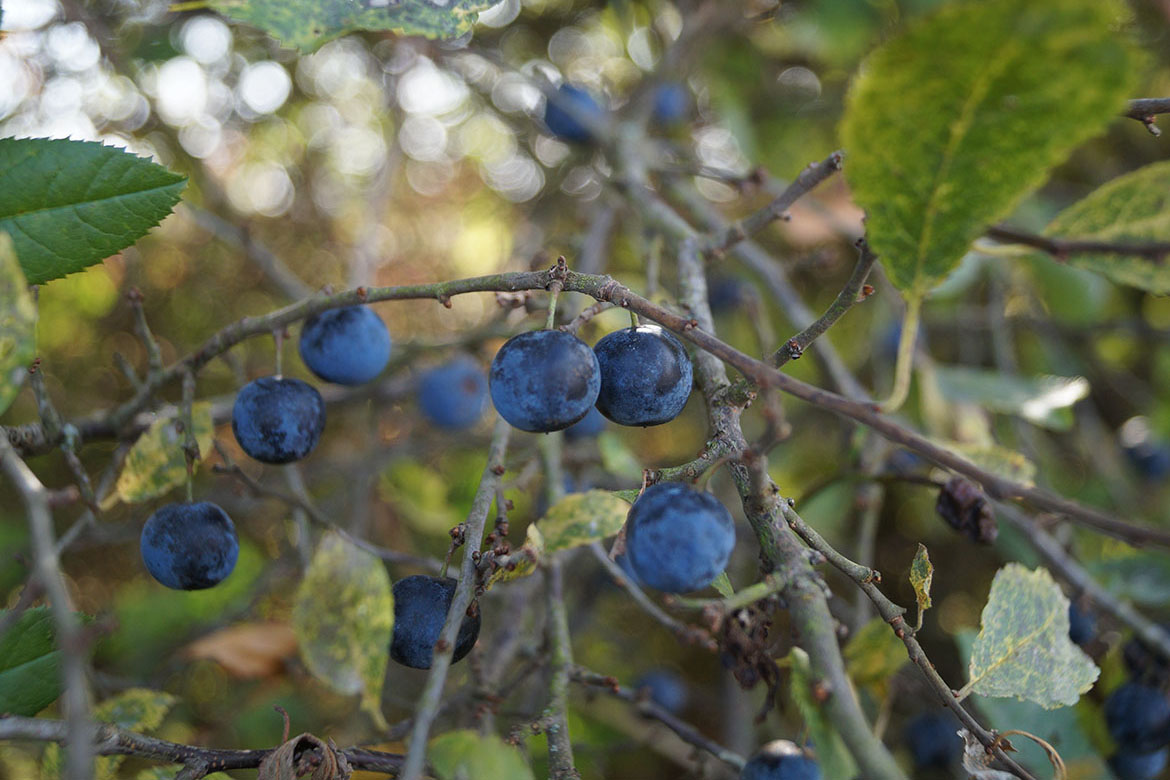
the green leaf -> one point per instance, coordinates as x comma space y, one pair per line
921, 575
834, 758
343, 618
139, 710
616, 457
950, 124
18, 324
1043, 400
156, 463
468, 755
307, 25
1023, 650
582, 518
29, 664
71, 204
722, 583
1133, 208
873, 655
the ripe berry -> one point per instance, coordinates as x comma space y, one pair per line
1128, 765
678, 539
646, 376
1082, 625
592, 424
347, 346
421, 603
453, 395
189, 546
933, 739
544, 380
278, 420
672, 102
666, 689
1138, 717
780, 760
565, 125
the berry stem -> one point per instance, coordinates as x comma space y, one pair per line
552, 307
278, 337
190, 442
634, 320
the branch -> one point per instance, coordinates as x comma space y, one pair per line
1145, 110
78, 727
739, 231
432, 693
850, 294
686, 732
1061, 248
867, 579
113, 741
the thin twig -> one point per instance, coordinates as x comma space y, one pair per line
1061, 248
429, 701
1145, 110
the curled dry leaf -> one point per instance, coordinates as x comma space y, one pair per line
305, 756
247, 650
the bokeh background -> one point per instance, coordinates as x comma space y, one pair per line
381, 160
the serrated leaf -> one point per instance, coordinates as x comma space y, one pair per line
921, 576
947, 129
467, 755
616, 457
71, 204
18, 324
29, 664
834, 758
1134, 208
528, 556
582, 518
1023, 649
344, 617
156, 463
307, 25
873, 655
140, 710
1043, 400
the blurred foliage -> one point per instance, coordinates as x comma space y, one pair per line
388, 160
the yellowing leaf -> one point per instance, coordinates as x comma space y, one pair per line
873, 654
1134, 208
528, 557
466, 754
156, 463
137, 709
834, 758
582, 518
951, 123
921, 575
1023, 649
18, 321
616, 457
343, 618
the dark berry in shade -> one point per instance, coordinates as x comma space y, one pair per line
1138, 717
544, 380
1145, 664
453, 395
1131, 765
189, 546
1082, 625
421, 603
933, 739
589, 426
1150, 459
646, 376
278, 420
665, 688
727, 293
565, 123
780, 760
672, 103
347, 346
678, 539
